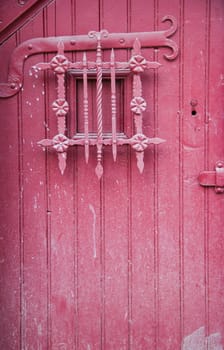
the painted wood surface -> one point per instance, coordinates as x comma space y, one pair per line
133, 261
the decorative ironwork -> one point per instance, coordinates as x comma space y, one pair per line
60, 64
82, 43
99, 91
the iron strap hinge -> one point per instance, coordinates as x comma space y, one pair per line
213, 178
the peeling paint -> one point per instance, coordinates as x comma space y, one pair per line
94, 229
59, 346
35, 206
221, 81
39, 329
199, 341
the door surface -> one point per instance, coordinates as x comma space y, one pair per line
131, 261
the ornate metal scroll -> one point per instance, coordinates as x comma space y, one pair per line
136, 65
82, 43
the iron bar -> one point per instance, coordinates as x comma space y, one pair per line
85, 107
113, 105
60, 66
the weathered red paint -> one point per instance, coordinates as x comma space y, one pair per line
11, 11
133, 261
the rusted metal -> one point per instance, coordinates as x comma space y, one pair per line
82, 43
213, 178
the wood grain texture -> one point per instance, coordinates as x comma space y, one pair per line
133, 261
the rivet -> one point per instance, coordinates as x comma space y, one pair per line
30, 46
72, 42
219, 165
13, 85
122, 41
219, 190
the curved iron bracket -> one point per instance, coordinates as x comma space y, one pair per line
81, 43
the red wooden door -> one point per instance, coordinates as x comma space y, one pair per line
132, 261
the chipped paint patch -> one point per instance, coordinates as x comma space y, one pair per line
94, 229
199, 341
59, 346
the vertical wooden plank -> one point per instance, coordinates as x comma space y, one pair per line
142, 322
88, 216
49, 30
63, 17
116, 227
206, 162
87, 16
181, 182
9, 214
60, 208
89, 250
215, 107
116, 206
194, 132
167, 250
33, 200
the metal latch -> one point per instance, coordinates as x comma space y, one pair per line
213, 178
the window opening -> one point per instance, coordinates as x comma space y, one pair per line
60, 65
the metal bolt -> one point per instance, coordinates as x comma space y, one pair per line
122, 41
219, 165
72, 42
13, 85
30, 46
219, 190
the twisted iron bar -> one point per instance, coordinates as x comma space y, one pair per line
137, 64
99, 90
